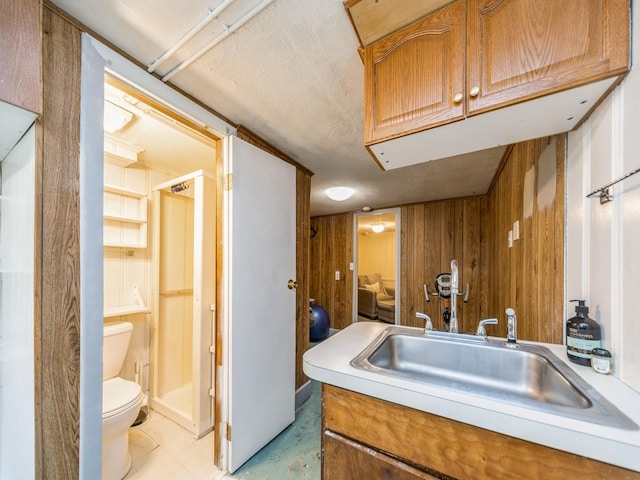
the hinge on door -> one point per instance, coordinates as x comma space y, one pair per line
211, 393
228, 432
228, 181
212, 307
212, 349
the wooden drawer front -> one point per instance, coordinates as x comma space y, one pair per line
519, 49
348, 460
456, 449
411, 76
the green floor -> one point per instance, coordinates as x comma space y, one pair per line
295, 453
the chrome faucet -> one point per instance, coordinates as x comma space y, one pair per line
453, 322
512, 325
481, 330
428, 326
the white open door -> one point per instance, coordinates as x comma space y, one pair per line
260, 253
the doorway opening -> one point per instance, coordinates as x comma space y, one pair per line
376, 295
159, 251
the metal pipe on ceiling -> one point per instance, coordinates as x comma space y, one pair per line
212, 14
219, 38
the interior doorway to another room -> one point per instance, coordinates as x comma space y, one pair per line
377, 266
147, 145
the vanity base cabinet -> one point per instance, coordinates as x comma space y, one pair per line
350, 460
365, 437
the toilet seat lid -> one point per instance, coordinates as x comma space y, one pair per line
118, 394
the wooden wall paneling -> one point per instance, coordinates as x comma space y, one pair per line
472, 258
20, 61
553, 326
59, 348
331, 251
412, 248
529, 276
534, 257
427, 254
485, 257
303, 206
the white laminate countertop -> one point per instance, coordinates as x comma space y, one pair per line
329, 362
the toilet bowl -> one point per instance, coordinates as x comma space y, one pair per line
121, 402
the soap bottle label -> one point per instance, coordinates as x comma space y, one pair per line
580, 345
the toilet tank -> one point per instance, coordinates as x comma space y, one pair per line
115, 344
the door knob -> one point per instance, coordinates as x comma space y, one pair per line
457, 97
291, 284
474, 91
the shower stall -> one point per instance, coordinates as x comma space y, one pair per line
183, 301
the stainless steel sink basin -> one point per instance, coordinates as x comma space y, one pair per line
530, 376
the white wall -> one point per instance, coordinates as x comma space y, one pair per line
17, 220
377, 254
603, 254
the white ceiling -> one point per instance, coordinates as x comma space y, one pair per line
292, 75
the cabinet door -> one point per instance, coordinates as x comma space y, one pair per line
412, 75
344, 459
519, 49
20, 54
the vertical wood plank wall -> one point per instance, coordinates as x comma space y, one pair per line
331, 251
20, 62
303, 208
58, 350
528, 277
433, 234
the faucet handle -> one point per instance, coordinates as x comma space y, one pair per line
489, 321
427, 319
511, 325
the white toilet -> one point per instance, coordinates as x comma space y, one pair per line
121, 402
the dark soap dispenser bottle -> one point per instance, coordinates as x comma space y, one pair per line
583, 335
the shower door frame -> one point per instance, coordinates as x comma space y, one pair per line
203, 381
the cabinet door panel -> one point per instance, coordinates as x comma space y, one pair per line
349, 460
518, 49
412, 75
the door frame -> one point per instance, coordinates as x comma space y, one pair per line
98, 59
398, 265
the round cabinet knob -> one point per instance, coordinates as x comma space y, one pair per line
474, 91
457, 97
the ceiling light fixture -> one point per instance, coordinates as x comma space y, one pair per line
339, 193
378, 227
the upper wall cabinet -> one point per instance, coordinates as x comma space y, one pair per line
412, 76
518, 49
552, 61
20, 54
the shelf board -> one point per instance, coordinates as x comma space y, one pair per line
118, 218
125, 310
124, 245
123, 191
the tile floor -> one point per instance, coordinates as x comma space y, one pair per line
163, 450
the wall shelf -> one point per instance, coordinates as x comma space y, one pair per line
125, 218
137, 307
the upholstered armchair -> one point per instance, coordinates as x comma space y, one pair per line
374, 300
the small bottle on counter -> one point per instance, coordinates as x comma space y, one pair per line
601, 361
583, 335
